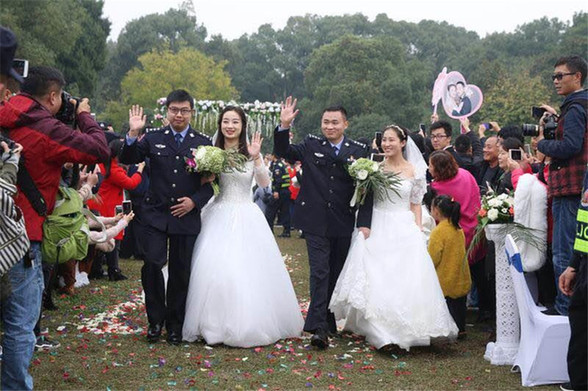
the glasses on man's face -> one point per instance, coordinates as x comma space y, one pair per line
559, 76
175, 110
437, 136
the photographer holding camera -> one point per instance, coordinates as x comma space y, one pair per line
29, 119
563, 140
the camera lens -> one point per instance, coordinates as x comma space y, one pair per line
530, 130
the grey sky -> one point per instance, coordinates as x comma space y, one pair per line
233, 18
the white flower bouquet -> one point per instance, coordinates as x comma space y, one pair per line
499, 209
369, 178
208, 160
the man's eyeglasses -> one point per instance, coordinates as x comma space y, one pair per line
436, 136
175, 110
559, 76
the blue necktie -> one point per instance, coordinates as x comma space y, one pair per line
335, 150
178, 138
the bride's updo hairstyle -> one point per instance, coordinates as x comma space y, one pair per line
400, 132
220, 137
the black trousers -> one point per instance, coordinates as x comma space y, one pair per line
578, 347
326, 257
281, 205
112, 258
457, 309
132, 243
160, 307
486, 296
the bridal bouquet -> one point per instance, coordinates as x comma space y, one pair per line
368, 177
208, 160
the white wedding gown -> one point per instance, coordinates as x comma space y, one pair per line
388, 289
240, 293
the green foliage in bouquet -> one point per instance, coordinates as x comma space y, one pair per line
370, 178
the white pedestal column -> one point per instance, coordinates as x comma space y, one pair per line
504, 350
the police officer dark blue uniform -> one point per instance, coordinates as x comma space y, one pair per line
171, 211
280, 200
322, 209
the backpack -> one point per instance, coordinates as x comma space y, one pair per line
65, 231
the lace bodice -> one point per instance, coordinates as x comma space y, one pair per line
235, 186
411, 190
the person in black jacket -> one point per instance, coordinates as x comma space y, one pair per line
490, 172
322, 209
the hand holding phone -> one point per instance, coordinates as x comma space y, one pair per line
376, 157
379, 141
127, 207
537, 112
515, 154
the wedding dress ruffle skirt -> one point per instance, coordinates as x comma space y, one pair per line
240, 293
388, 289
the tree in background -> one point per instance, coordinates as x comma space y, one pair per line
510, 97
173, 30
69, 35
160, 72
366, 76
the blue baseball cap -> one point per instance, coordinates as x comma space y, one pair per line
7, 50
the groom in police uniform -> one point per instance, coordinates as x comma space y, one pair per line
171, 210
322, 208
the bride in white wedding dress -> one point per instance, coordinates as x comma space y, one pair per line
388, 289
240, 293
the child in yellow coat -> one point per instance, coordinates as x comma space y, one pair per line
447, 250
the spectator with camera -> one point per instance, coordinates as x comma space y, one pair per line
48, 144
563, 139
111, 195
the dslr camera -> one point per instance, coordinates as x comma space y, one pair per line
67, 111
11, 143
548, 129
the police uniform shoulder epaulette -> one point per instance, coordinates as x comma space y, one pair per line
315, 137
151, 130
203, 135
362, 145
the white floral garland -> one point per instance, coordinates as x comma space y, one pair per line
261, 116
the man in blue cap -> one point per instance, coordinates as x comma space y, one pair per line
7, 50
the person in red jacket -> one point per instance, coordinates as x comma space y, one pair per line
48, 144
110, 195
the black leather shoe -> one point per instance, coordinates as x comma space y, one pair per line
154, 332
284, 235
174, 337
117, 276
320, 340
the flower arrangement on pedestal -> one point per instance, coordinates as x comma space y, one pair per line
499, 209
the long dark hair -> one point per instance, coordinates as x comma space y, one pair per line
115, 148
449, 208
220, 138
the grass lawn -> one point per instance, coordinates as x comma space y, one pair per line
90, 358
